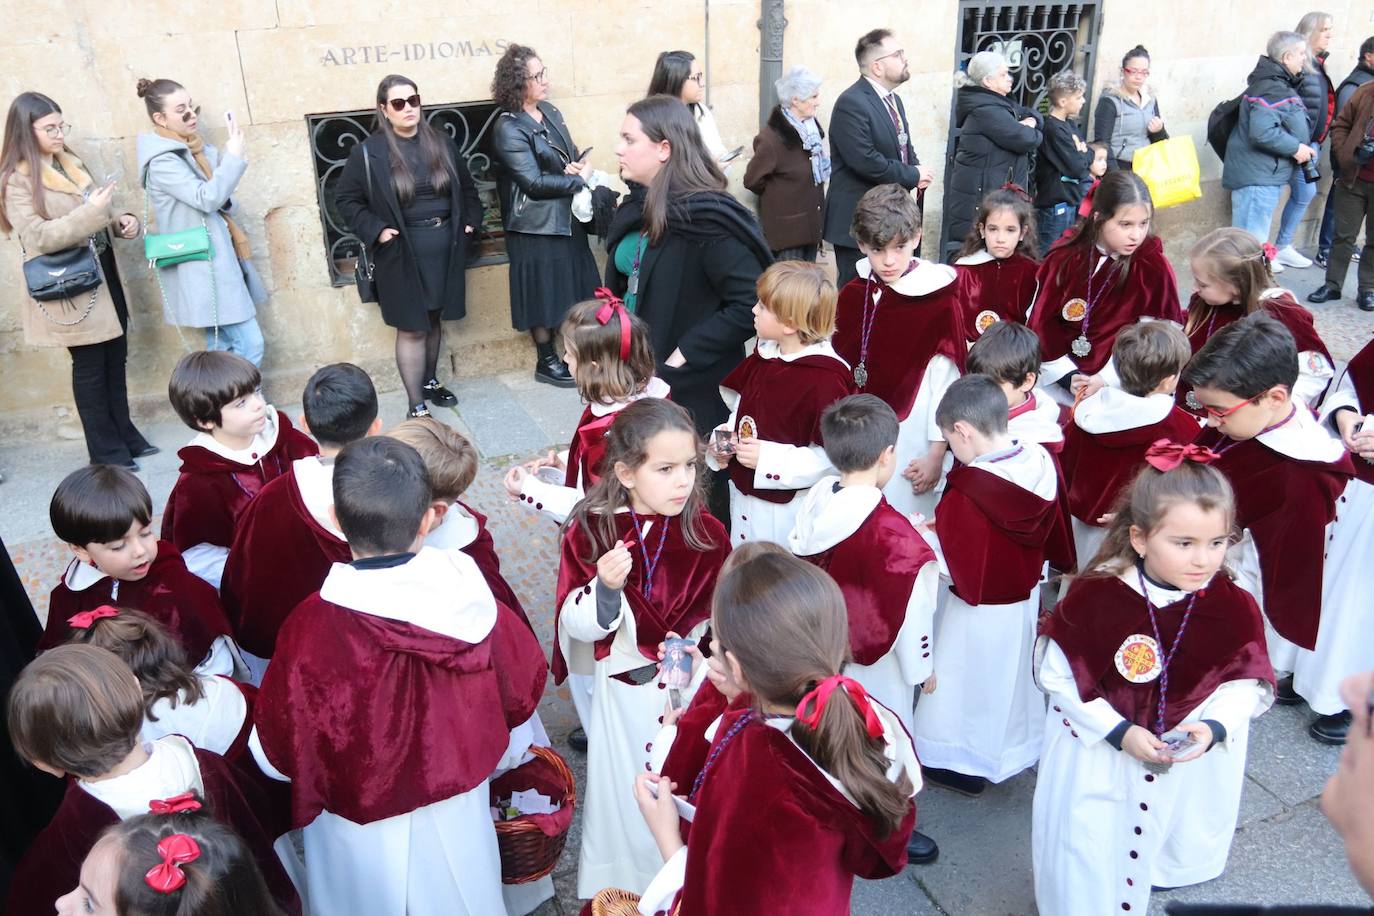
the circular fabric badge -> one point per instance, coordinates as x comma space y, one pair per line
986, 319
748, 429
1138, 659
1074, 310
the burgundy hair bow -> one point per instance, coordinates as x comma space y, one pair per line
1269, 251
821, 695
611, 305
186, 801
84, 620
1016, 189
1085, 207
176, 850
1165, 455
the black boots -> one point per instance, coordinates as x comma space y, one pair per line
1324, 293
551, 370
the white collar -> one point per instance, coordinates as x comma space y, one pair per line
1025, 464
926, 278
771, 349
458, 529
262, 443
981, 256
1040, 423
171, 768
438, 590
828, 516
1273, 292
315, 480
1303, 439
1111, 410
81, 575
897, 748
1159, 595
883, 91
656, 388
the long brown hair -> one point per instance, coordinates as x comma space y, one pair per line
1002, 199
627, 443
612, 379
21, 147
157, 660
434, 147
772, 593
690, 168
1116, 190
1234, 256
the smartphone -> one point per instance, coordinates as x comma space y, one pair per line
732, 155
585, 153
1178, 743
550, 474
685, 809
723, 440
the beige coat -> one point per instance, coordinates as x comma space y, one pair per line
71, 220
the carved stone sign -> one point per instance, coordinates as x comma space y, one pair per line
410, 52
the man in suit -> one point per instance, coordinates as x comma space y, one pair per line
870, 142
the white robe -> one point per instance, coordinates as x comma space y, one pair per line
826, 519
780, 467
986, 715
1103, 829
1039, 424
213, 722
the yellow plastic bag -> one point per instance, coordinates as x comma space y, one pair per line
1170, 170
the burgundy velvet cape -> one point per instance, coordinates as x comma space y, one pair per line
785, 400
1285, 308
1286, 504
372, 718
52, 865
1002, 286
1150, 291
994, 534
170, 593
482, 551
587, 448
1224, 642
772, 835
211, 492
1060, 549
1099, 466
690, 748
683, 581
906, 333
876, 568
1361, 369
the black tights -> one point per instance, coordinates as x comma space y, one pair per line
541, 335
417, 358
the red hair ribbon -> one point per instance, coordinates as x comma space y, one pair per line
1016, 189
612, 305
84, 620
821, 695
186, 801
1085, 208
1269, 252
1165, 455
176, 850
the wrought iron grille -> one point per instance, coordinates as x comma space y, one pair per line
332, 138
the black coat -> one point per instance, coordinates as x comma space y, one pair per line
994, 148
863, 155
696, 293
368, 211
1319, 97
1061, 169
535, 194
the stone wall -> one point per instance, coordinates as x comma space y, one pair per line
272, 62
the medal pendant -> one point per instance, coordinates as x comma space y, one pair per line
985, 319
902, 137
633, 288
860, 375
1159, 769
1191, 400
1138, 659
1074, 310
748, 429
1080, 346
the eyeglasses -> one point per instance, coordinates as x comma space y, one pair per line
57, 130
698, 78
1136, 71
900, 52
399, 105
1223, 414
541, 77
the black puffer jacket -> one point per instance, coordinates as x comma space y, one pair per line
1357, 78
994, 148
536, 197
1319, 96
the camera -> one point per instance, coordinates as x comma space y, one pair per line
1310, 173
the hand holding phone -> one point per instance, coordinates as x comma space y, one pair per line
732, 155
586, 153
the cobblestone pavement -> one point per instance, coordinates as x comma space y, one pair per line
1284, 851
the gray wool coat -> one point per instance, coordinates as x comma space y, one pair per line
180, 197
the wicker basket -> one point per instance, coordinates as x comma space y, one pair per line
528, 850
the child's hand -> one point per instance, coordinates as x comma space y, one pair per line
929, 685
1202, 734
656, 805
721, 453
551, 460
614, 566
694, 651
747, 453
1106, 519
671, 715
1142, 745
1093, 384
924, 472
514, 480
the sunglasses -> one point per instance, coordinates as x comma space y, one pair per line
1223, 414
1137, 71
399, 105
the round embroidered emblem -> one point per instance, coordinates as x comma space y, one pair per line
1138, 659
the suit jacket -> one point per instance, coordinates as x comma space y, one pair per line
863, 155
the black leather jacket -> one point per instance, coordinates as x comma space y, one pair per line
536, 197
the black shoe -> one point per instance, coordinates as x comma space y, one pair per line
130, 465
438, 394
419, 410
1331, 729
1286, 695
972, 786
1321, 259
1365, 300
1324, 293
553, 371
921, 849
146, 451
577, 740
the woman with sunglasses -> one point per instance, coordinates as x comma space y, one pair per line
1127, 116
407, 195
540, 171
49, 200
191, 184
676, 74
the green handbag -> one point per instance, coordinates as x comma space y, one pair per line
164, 249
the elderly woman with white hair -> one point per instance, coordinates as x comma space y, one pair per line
996, 139
790, 168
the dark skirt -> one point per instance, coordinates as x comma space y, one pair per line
432, 246
548, 273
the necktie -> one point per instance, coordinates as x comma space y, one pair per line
897, 123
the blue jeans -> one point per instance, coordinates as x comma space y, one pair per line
1300, 194
1050, 223
1252, 208
244, 338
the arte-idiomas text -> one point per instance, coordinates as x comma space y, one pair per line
411, 52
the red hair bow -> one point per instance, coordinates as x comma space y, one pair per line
186, 801
1270, 252
84, 620
176, 850
1165, 455
821, 695
1016, 189
612, 305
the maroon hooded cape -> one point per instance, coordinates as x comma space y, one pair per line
1224, 642
876, 568
211, 492
482, 551
170, 593
1361, 369
683, 581
587, 448
1150, 291
994, 534
785, 400
1099, 466
1005, 287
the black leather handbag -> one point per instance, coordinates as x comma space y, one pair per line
63, 274
362, 274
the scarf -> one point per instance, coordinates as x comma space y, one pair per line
72, 179
810, 134
196, 143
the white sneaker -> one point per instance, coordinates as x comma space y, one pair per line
1276, 267
1290, 257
